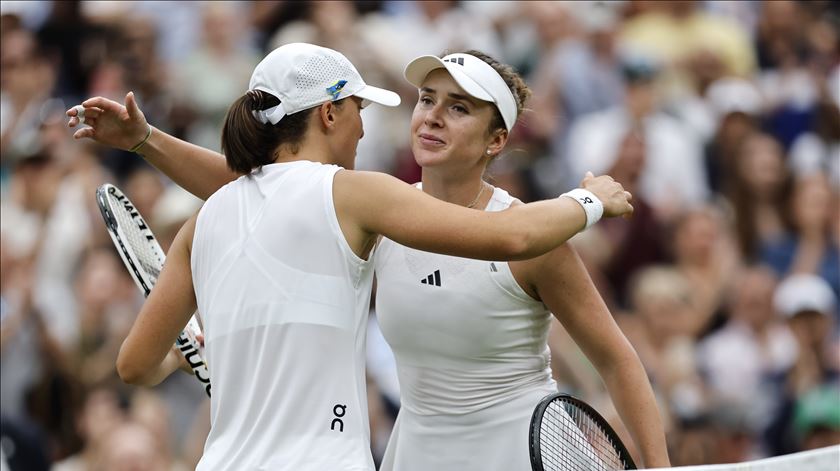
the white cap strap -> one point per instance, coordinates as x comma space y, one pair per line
271, 115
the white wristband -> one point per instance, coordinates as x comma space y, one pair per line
591, 204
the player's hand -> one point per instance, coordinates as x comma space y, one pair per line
110, 123
616, 201
174, 355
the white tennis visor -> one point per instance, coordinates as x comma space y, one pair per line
478, 78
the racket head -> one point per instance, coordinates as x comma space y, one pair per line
134, 240
557, 414
143, 257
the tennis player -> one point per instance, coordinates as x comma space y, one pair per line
471, 349
277, 264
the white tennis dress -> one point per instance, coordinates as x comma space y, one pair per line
284, 302
472, 358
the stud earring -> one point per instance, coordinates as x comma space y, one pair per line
488, 151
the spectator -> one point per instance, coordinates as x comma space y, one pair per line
672, 179
818, 151
133, 447
615, 250
213, 76
808, 247
757, 190
27, 82
735, 106
744, 359
102, 412
707, 257
809, 305
677, 33
660, 330
817, 418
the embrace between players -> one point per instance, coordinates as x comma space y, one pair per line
280, 263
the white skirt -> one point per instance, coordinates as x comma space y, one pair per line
491, 439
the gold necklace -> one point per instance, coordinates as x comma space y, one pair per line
480, 192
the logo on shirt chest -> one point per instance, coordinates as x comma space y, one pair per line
339, 410
433, 279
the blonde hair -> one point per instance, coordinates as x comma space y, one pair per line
659, 281
520, 90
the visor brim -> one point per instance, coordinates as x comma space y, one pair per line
417, 70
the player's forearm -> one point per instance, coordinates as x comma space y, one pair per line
634, 400
545, 225
198, 170
152, 376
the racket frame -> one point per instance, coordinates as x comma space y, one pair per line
187, 343
536, 423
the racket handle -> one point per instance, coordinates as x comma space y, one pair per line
190, 348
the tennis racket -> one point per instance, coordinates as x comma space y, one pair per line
143, 256
567, 434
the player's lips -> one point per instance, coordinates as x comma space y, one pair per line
430, 140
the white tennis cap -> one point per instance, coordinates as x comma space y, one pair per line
304, 75
475, 76
804, 292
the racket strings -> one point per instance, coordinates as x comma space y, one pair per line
148, 252
570, 441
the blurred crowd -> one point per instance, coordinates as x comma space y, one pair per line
721, 117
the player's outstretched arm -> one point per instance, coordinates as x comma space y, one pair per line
370, 203
198, 170
147, 356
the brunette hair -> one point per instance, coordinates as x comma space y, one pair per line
249, 144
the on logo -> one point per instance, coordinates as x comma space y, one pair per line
587, 199
338, 411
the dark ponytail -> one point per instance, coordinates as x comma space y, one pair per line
249, 144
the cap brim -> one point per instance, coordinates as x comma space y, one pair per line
378, 95
417, 70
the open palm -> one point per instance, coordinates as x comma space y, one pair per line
110, 123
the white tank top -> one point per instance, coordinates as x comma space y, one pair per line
284, 302
465, 335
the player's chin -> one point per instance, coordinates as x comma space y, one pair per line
429, 157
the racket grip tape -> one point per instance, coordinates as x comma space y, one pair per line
191, 350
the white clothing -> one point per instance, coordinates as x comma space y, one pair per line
673, 173
741, 369
736, 362
810, 154
472, 358
284, 301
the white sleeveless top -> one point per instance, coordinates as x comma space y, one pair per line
284, 302
472, 358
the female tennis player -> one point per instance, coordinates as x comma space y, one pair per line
471, 350
276, 263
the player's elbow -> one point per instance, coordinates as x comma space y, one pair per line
519, 245
128, 369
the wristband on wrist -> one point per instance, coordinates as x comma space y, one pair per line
590, 203
145, 139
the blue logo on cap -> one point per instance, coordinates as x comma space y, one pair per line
336, 88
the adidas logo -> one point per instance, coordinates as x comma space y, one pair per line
433, 279
455, 60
